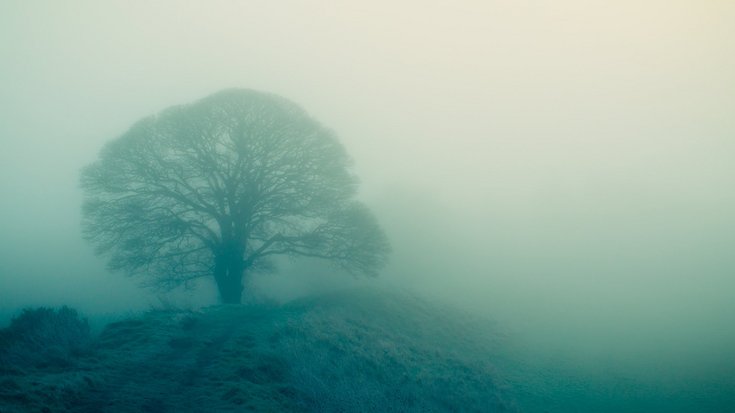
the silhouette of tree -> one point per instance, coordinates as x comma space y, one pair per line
218, 187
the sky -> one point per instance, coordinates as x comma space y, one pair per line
565, 166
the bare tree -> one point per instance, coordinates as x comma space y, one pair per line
218, 187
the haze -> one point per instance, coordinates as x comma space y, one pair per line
564, 167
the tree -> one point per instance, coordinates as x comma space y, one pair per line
219, 187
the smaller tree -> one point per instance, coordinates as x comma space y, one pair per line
219, 187
38, 336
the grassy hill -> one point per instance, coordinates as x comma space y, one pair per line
357, 351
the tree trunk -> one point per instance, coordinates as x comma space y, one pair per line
228, 273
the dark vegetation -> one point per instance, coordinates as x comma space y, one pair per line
348, 352
43, 338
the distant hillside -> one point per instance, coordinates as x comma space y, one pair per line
358, 351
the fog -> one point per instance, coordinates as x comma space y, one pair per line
564, 167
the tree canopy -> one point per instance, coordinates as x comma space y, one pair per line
219, 187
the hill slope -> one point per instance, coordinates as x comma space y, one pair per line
360, 351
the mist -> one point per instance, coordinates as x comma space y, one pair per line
562, 167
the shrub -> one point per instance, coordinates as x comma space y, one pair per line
41, 337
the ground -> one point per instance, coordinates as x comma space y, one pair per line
356, 351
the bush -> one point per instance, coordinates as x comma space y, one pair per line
42, 337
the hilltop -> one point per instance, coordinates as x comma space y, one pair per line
354, 351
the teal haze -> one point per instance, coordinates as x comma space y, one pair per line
562, 167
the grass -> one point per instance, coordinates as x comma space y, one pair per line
349, 352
